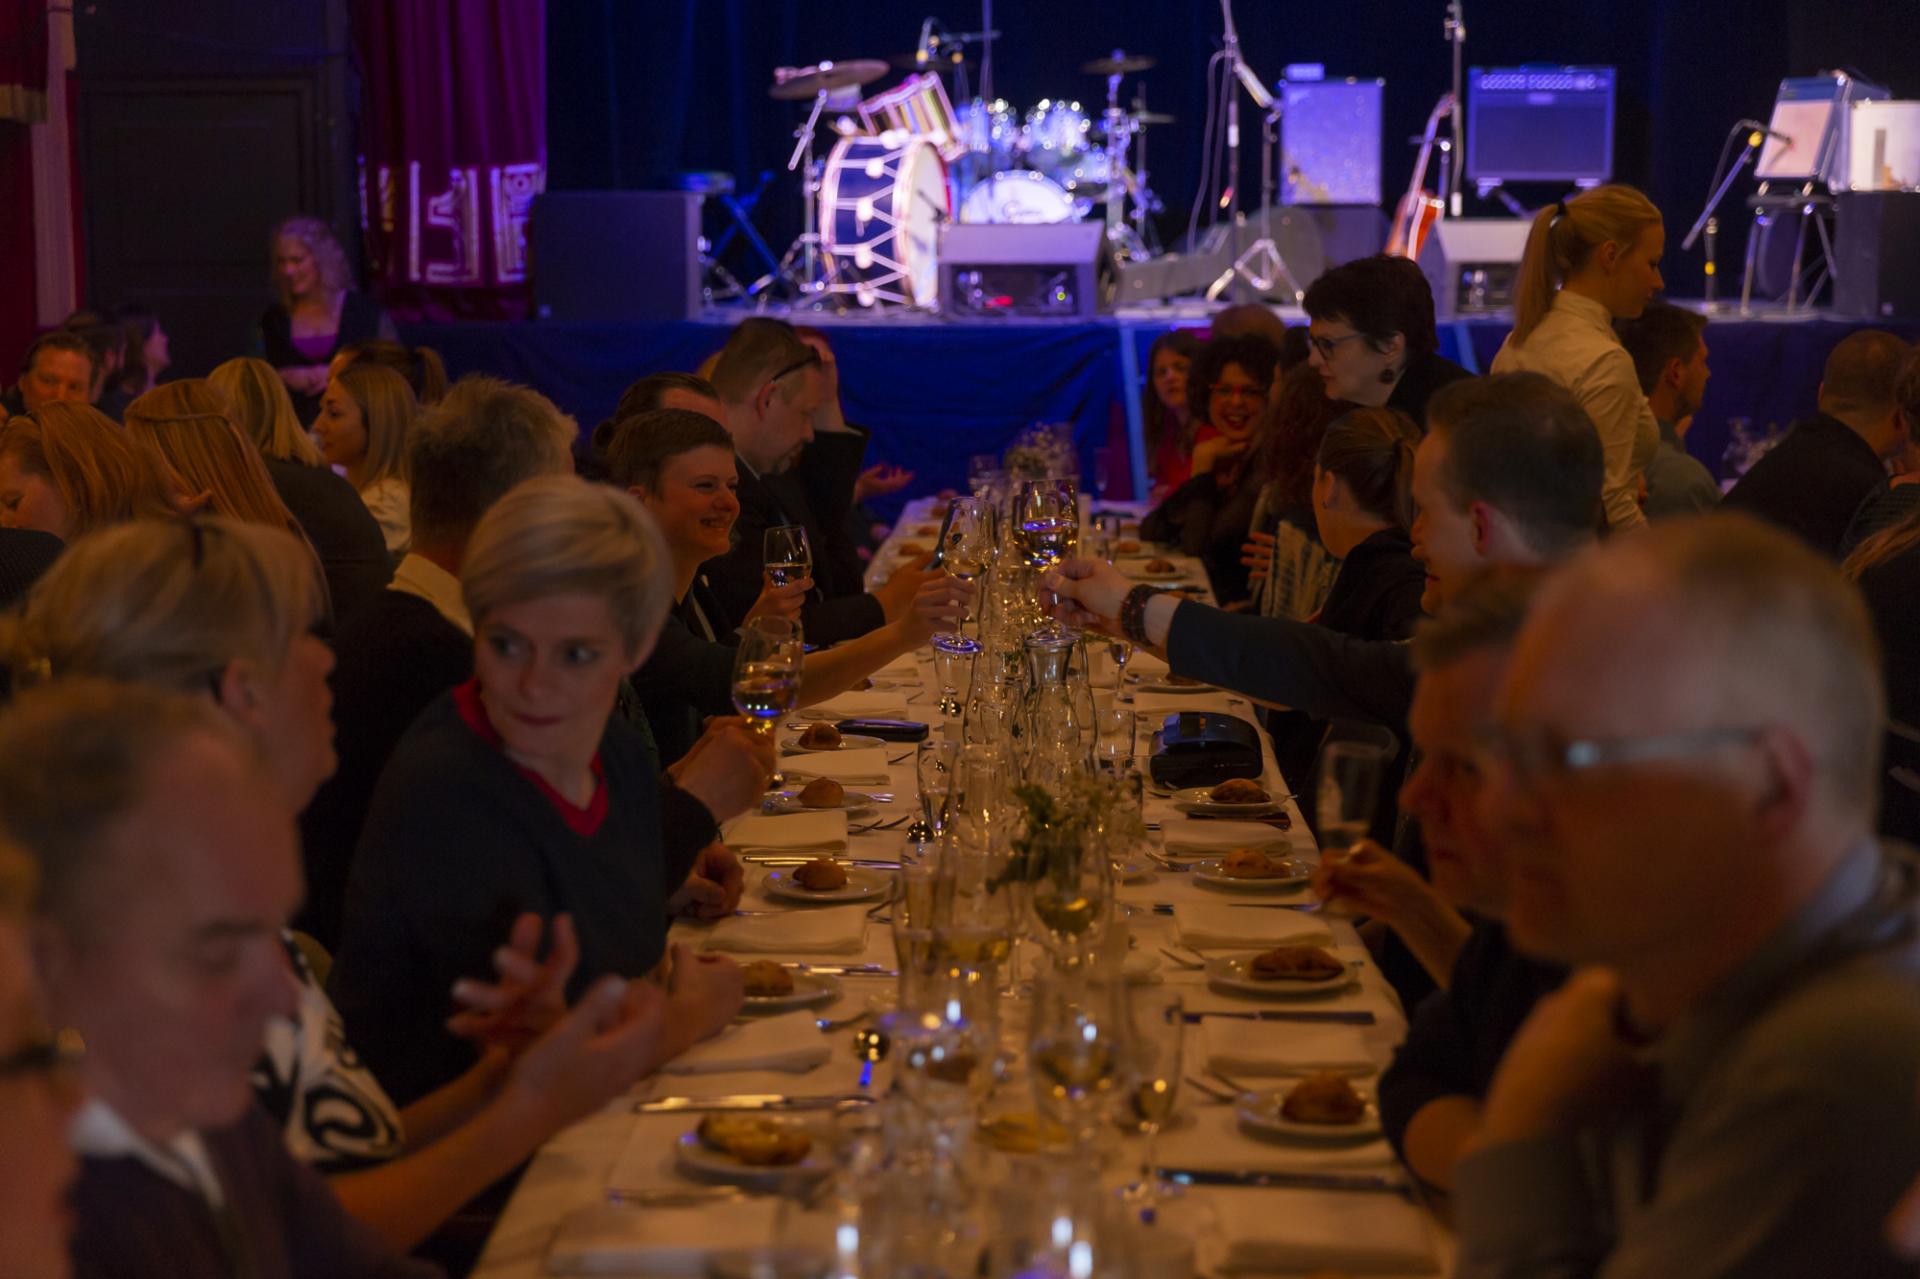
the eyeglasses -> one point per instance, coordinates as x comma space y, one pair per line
812, 361
56, 1056
1326, 345
1538, 754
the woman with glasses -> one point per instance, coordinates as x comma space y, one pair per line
1372, 336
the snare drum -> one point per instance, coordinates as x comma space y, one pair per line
917, 107
1019, 195
881, 203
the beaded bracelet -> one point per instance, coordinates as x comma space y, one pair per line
1133, 612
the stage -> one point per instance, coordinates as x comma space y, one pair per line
934, 392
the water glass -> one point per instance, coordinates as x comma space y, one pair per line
1113, 735
933, 766
1352, 764
953, 657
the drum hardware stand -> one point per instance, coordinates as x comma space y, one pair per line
806, 267
1260, 264
1145, 202
1124, 241
1455, 26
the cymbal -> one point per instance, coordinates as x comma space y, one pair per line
1122, 64
796, 84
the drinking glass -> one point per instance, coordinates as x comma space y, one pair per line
953, 659
1047, 521
1156, 1031
766, 674
982, 470
1071, 901
933, 769
1075, 1051
1121, 651
1102, 472
786, 554
1113, 735
910, 915
970, 548
1351, 767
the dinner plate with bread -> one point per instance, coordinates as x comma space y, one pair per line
826, 880
1252, 870
1285, 972
1235, 797
757, 1151
822, 736
822, 793
776, 988
1320, 1107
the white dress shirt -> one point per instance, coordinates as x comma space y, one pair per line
1576, 346
418, 575
98, 1130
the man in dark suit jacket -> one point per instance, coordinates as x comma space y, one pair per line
1813, 480
25, 554
799, 461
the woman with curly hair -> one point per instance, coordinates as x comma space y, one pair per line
317, 311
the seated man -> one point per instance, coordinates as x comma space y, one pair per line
1681, 786
60, 365
795, 469
1669, 353
168, 866
668, 390
1813, 480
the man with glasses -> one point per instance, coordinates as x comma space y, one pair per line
772, 390
168, 866
1681, 781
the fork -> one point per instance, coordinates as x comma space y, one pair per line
874, 826
1209, 1090
1187, 964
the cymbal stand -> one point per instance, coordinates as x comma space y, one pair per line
1144, 200
1121, 238
1260, 264
806, 267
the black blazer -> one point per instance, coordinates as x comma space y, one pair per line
353, 554
1811, 482
1376, 593
688, 676
361, 319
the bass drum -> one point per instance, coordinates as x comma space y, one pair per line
1019, 195
881, 204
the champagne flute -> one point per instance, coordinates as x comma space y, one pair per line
766, 674
1121, 651
786, 554
1156, 1033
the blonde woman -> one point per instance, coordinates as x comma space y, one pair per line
365, 415
185, 424
67, 469
1590, 261
316, 311
521, 790
223, 609
258, 403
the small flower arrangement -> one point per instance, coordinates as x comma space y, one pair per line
1088, 811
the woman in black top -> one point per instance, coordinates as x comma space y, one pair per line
1370, 323
1363, 508
317, 311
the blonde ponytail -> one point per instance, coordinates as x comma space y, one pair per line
1564, 236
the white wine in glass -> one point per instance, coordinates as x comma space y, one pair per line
786, 554
766, 672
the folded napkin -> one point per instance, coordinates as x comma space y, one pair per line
1215, 1141
611, 1239
1146, 665
835, 930
1215, 837
1241, 1047
1303, 1230
1208, 924
876, 703
789, 1042
864, 767
1157, 704
824, 831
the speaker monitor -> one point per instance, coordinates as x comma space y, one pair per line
1877, 254
616, 255
1472, 263
1040, 269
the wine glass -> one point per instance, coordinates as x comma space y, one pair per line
1121, 651
933, 765
1156, 1033
766, 674
1351, 767
1102, 472
1047, 521
786, 554
1071, 900
1075, 1050
969, 549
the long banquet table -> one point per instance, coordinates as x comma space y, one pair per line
579, 1168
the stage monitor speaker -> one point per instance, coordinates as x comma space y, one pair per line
1035, 270
1877, 254
616, 255
1472, 263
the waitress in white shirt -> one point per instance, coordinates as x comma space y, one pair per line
1589, 261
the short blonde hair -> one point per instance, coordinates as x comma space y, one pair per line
387, 409
329, 259
258, 402
186, 424
1564, 236
100, 475
169, 603
559, 534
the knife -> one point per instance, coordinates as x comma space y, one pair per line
1289, 1180
748, 1101
1341, 1016
774, 859
849, 970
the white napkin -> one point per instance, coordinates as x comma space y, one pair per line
790, 1042
873, 703
824, 831
864, 767
1146, 665
1163, 704
611, 1239
1211, 925
1215, 1141
838, 930
1303, 1230
1216, 837
1238, 1046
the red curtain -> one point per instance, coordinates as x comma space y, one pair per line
453, 151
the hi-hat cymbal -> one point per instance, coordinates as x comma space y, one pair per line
796, 84
1119, 64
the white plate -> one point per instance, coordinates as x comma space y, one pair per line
1153, 684
1210, 874
1230, 973
696, 1160
1142, 573
1194, 800
863, 884
1277, 845
808, 989
786, 801
848, 741
1259, 1114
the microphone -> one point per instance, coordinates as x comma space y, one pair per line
1760, 129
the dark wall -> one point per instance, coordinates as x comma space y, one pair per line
642, 88
202, 123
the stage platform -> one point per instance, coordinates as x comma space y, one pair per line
934, 392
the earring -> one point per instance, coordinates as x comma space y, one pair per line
1389, 376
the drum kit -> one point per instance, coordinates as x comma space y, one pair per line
904, 160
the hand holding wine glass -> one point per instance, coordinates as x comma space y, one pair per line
786, 554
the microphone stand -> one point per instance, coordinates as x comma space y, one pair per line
1260, 264
1708, 223
1456, 30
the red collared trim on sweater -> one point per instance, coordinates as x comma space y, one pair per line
584, 822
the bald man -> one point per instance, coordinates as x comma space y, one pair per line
1681, 783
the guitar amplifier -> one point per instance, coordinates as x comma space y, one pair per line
1027, 270
1472, 263
1204, 748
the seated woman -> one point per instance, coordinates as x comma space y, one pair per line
1167, 426
1291, 571
66, 469
1373, 336
353, 552
317, 310
219, 472
1363, 508
224, 608
520, 790
365, 415
680, 465
421, 366
1208, 516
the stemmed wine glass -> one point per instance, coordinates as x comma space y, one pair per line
1047, 521
766, 674
1156, 1031
969, 551
1075, 1051
786, 554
